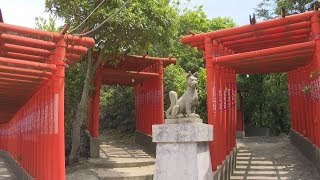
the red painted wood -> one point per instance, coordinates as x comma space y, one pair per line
289, 44
32, 98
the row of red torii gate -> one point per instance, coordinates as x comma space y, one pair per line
32, 69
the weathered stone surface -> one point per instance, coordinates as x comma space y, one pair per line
11, 169
120, 159
311, 151
145, 141
271, 158
94, 147
240, 134
185, 106
187, 132
183, 151
183, 120
187, 161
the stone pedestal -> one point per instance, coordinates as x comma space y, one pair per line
94, 147
183, 151
240, 134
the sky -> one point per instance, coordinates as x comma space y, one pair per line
23, 12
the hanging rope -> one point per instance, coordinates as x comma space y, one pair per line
105, 21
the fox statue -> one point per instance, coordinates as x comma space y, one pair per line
185, 106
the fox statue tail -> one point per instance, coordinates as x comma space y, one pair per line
173, 100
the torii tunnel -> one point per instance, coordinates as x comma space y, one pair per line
145, 74
32, 72
286, 44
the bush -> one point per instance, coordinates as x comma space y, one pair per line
117, 108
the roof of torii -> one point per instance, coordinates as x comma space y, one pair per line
277, 45
133, 69
26, 62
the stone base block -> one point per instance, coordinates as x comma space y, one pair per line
311, 151
94, 147
183, 151
145, 141
187, 161
240, 134
186, 132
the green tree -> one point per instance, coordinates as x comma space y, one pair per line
142, 26
47, 24
274, 98
268, 9
189, 59
195, 20
266, 104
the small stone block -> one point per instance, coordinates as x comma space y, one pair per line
185, 132
94, 147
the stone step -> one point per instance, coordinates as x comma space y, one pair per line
132, 173
6, 171
120, 162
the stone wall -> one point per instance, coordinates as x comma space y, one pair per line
311, 151
14, 165
145, 141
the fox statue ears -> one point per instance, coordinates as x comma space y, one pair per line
190, 74
195, 74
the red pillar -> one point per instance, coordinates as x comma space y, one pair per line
234, 114
291, 100
59, 55
211, 100
161, 98
315, 27
95, 109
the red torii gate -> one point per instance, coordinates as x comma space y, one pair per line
32, 71
145, 73
288, 44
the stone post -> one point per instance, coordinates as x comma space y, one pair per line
183, 151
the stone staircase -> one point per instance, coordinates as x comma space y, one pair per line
118, 161
271, 158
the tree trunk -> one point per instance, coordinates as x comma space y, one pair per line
81, 111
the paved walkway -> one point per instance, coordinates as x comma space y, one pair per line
272, 158
5, 171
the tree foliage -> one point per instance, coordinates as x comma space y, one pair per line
142, 26
268, 9
149, 26
188, 59
267, 102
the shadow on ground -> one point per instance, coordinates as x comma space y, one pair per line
120, 158
271, 158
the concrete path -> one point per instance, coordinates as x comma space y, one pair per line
6, 172
272, 158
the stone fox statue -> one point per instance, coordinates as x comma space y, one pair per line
185, 106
